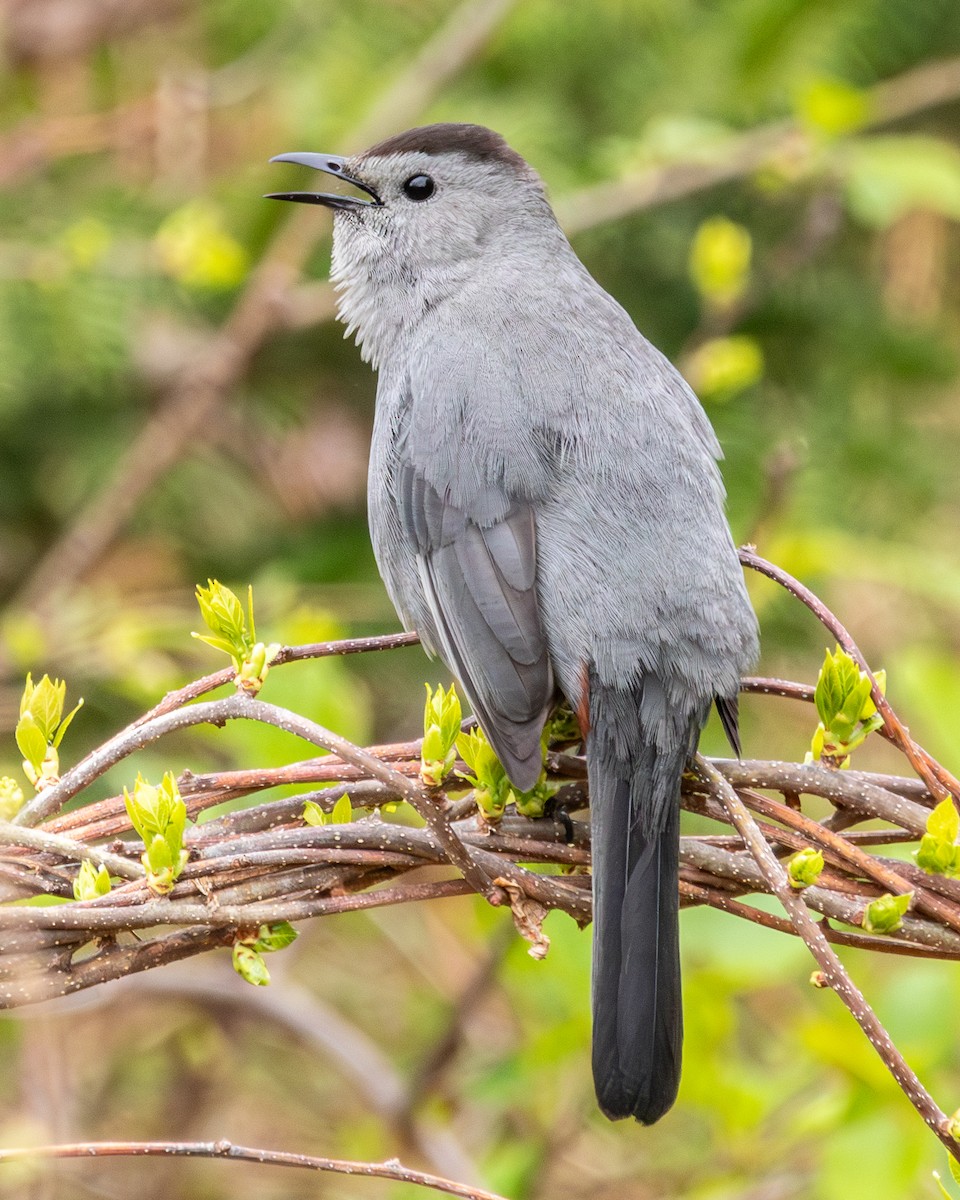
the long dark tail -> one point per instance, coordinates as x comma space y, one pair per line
635, 762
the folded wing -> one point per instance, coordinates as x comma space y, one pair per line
478, 572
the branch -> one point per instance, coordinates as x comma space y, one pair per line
68, 848
286, 654
940, 782
835, 975
392, 1169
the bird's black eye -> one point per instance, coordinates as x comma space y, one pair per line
418, 187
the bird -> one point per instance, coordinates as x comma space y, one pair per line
547, 512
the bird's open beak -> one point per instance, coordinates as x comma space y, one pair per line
333, 164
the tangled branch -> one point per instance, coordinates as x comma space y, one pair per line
257, 865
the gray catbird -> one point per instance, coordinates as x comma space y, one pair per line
547, 512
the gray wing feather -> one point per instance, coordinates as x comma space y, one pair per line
478, 572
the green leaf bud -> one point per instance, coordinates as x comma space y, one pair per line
441, 726
885, 914
804, 867
939, 853
91, 882
846, 709
249, 964
159, 816
313, 814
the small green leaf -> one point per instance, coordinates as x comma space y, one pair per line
65, 723
313, 814
832, 107
342, 813
804, 867
27, 694
719, 261
531, 804
441, 725
11, 798
944, 822
216, 642
275, 937
31, 742
885, 914
253, 627
45, 704
722, 367
890, 175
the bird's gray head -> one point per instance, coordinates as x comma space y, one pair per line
436, 201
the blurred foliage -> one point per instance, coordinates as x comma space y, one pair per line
815, 304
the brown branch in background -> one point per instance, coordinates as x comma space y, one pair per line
189, 405
271, 301
392, 1169
746, 153
323, 1030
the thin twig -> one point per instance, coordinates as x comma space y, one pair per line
835, 974
940, 782
392, 1169
69, 848
286, 654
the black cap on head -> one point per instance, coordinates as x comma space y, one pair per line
474, 141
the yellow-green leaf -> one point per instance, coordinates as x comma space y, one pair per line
832, 106
313, 814
30, 741
944, 822
804, 867
885, 914
342, 813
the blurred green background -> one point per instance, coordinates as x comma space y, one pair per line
772, 188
